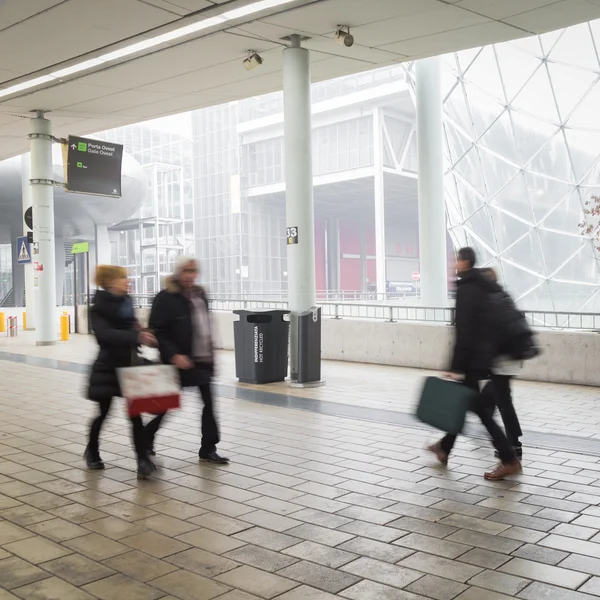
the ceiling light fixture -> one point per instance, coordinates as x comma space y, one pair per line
163, 38
254, 60
344, 37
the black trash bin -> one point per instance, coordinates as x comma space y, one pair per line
309, 346
261, 345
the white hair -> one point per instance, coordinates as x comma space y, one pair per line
182, 262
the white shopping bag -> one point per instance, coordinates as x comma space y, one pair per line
150, 388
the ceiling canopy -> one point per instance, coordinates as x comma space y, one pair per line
98, 64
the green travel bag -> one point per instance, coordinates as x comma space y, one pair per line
444, 404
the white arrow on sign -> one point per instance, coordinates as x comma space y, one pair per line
73, 147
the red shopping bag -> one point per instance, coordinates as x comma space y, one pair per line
150, 389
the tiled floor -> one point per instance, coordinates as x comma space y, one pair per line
312, 507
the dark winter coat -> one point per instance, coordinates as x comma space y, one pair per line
513, 336
172, 322
474, 346
117, 331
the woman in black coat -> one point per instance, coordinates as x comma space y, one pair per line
118, 334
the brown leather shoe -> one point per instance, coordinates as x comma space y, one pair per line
439, 453
505, 470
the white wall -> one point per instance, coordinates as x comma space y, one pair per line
568, 356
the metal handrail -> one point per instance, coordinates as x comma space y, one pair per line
395, 311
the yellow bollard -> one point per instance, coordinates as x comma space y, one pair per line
24, 321
2, 323
64, 327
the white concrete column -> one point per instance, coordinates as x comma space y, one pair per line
432, 206
60, 258
299, 188
30, 290
379, 195
103, 249
42, 200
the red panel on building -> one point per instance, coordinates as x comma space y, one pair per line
350, 260
320, 256
371, 251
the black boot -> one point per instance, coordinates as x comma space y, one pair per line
145, 468
93, 460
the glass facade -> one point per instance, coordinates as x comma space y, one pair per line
522, 136
523, 145
6, 284
148, 243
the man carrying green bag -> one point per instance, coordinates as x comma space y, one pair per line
444, 406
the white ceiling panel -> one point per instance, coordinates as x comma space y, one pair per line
181, 7
334, 66
162, 71
324, 17
73, 28
57, 97
556, 16
501, 9
7, 119
410, 27
370, 58
118, 101
468, 37
35, 34
13, 11
212, 78
182, 103
8, 75
262, 84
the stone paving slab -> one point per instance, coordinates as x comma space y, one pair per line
313, 507
543, 407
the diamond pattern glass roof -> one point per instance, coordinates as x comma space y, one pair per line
522, 129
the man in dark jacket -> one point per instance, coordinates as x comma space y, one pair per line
181, 322
497, 391
474, 351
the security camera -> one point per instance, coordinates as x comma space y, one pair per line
343, 36
254, 60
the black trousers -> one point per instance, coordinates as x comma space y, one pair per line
209, 427
482, 410
151, 429
497, 393
137, 431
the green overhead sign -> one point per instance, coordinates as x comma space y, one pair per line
80, 248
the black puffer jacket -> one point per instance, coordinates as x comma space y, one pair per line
172, 321
117, 332
474, 346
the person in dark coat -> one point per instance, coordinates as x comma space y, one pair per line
497, 392
118, 334
473, 355
180, 320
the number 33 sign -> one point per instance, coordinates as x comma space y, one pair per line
291, 233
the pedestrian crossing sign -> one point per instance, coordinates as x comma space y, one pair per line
23, 251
